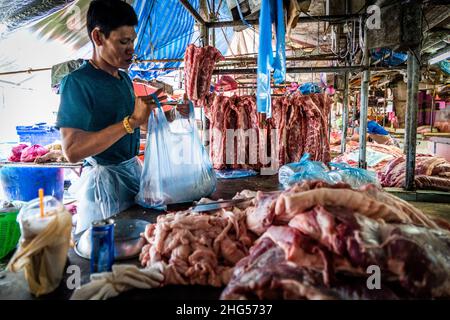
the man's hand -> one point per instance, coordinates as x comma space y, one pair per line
184, 108
142, 108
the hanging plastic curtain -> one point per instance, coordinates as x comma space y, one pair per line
271, 12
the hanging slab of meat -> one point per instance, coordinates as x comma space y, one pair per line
267, 274
278, 122
296, 132
197, 248
215, 114
298, 125
415, 257
198, 67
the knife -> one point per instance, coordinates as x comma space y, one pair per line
202, 207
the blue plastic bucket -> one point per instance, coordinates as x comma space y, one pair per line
23, 183
40, 133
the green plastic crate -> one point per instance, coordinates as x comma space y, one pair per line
9, 232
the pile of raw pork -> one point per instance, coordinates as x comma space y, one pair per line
389, 162
241, 139
312, 241
377, 155
431, 173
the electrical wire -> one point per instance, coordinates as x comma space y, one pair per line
242, 17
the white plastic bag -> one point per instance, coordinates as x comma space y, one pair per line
176, 167
104, 190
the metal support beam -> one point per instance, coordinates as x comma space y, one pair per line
411, 115
317, 57
204, 38
303, 19
303, 70
193, 12
345, 114
364, 106
354, 115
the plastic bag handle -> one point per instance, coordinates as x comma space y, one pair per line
158, 103
155, 98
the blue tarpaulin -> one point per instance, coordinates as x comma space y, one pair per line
164, 31
165, 28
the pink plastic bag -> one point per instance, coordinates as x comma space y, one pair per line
17, 152
29, 154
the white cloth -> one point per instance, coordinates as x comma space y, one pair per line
123, 277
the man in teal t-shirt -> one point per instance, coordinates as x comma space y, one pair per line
99, 116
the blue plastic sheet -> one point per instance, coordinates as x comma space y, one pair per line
389, 57
355, 177
235, 174
445, 66
305, 169
176, 167
310, 87
165, 29
271, 12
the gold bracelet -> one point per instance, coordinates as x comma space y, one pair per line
126, 125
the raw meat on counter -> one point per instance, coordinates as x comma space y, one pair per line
317, 243
197, 248
37, 154
298, 125
377, 155
51, 156
431, 173
267, 274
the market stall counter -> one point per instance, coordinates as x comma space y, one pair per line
14, 286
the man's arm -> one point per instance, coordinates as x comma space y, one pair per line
78, 144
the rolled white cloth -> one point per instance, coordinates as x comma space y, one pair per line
106, 285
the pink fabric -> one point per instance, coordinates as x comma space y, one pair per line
17, 152
29, 154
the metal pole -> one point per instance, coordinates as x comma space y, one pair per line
354, 115
193, 12
205, 41
384, 104
306, 69
433, 102
364, 106
250, 59
304, 19
411, 111
345, 114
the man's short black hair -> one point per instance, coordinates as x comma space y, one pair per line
109, 15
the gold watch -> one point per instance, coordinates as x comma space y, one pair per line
126, 125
